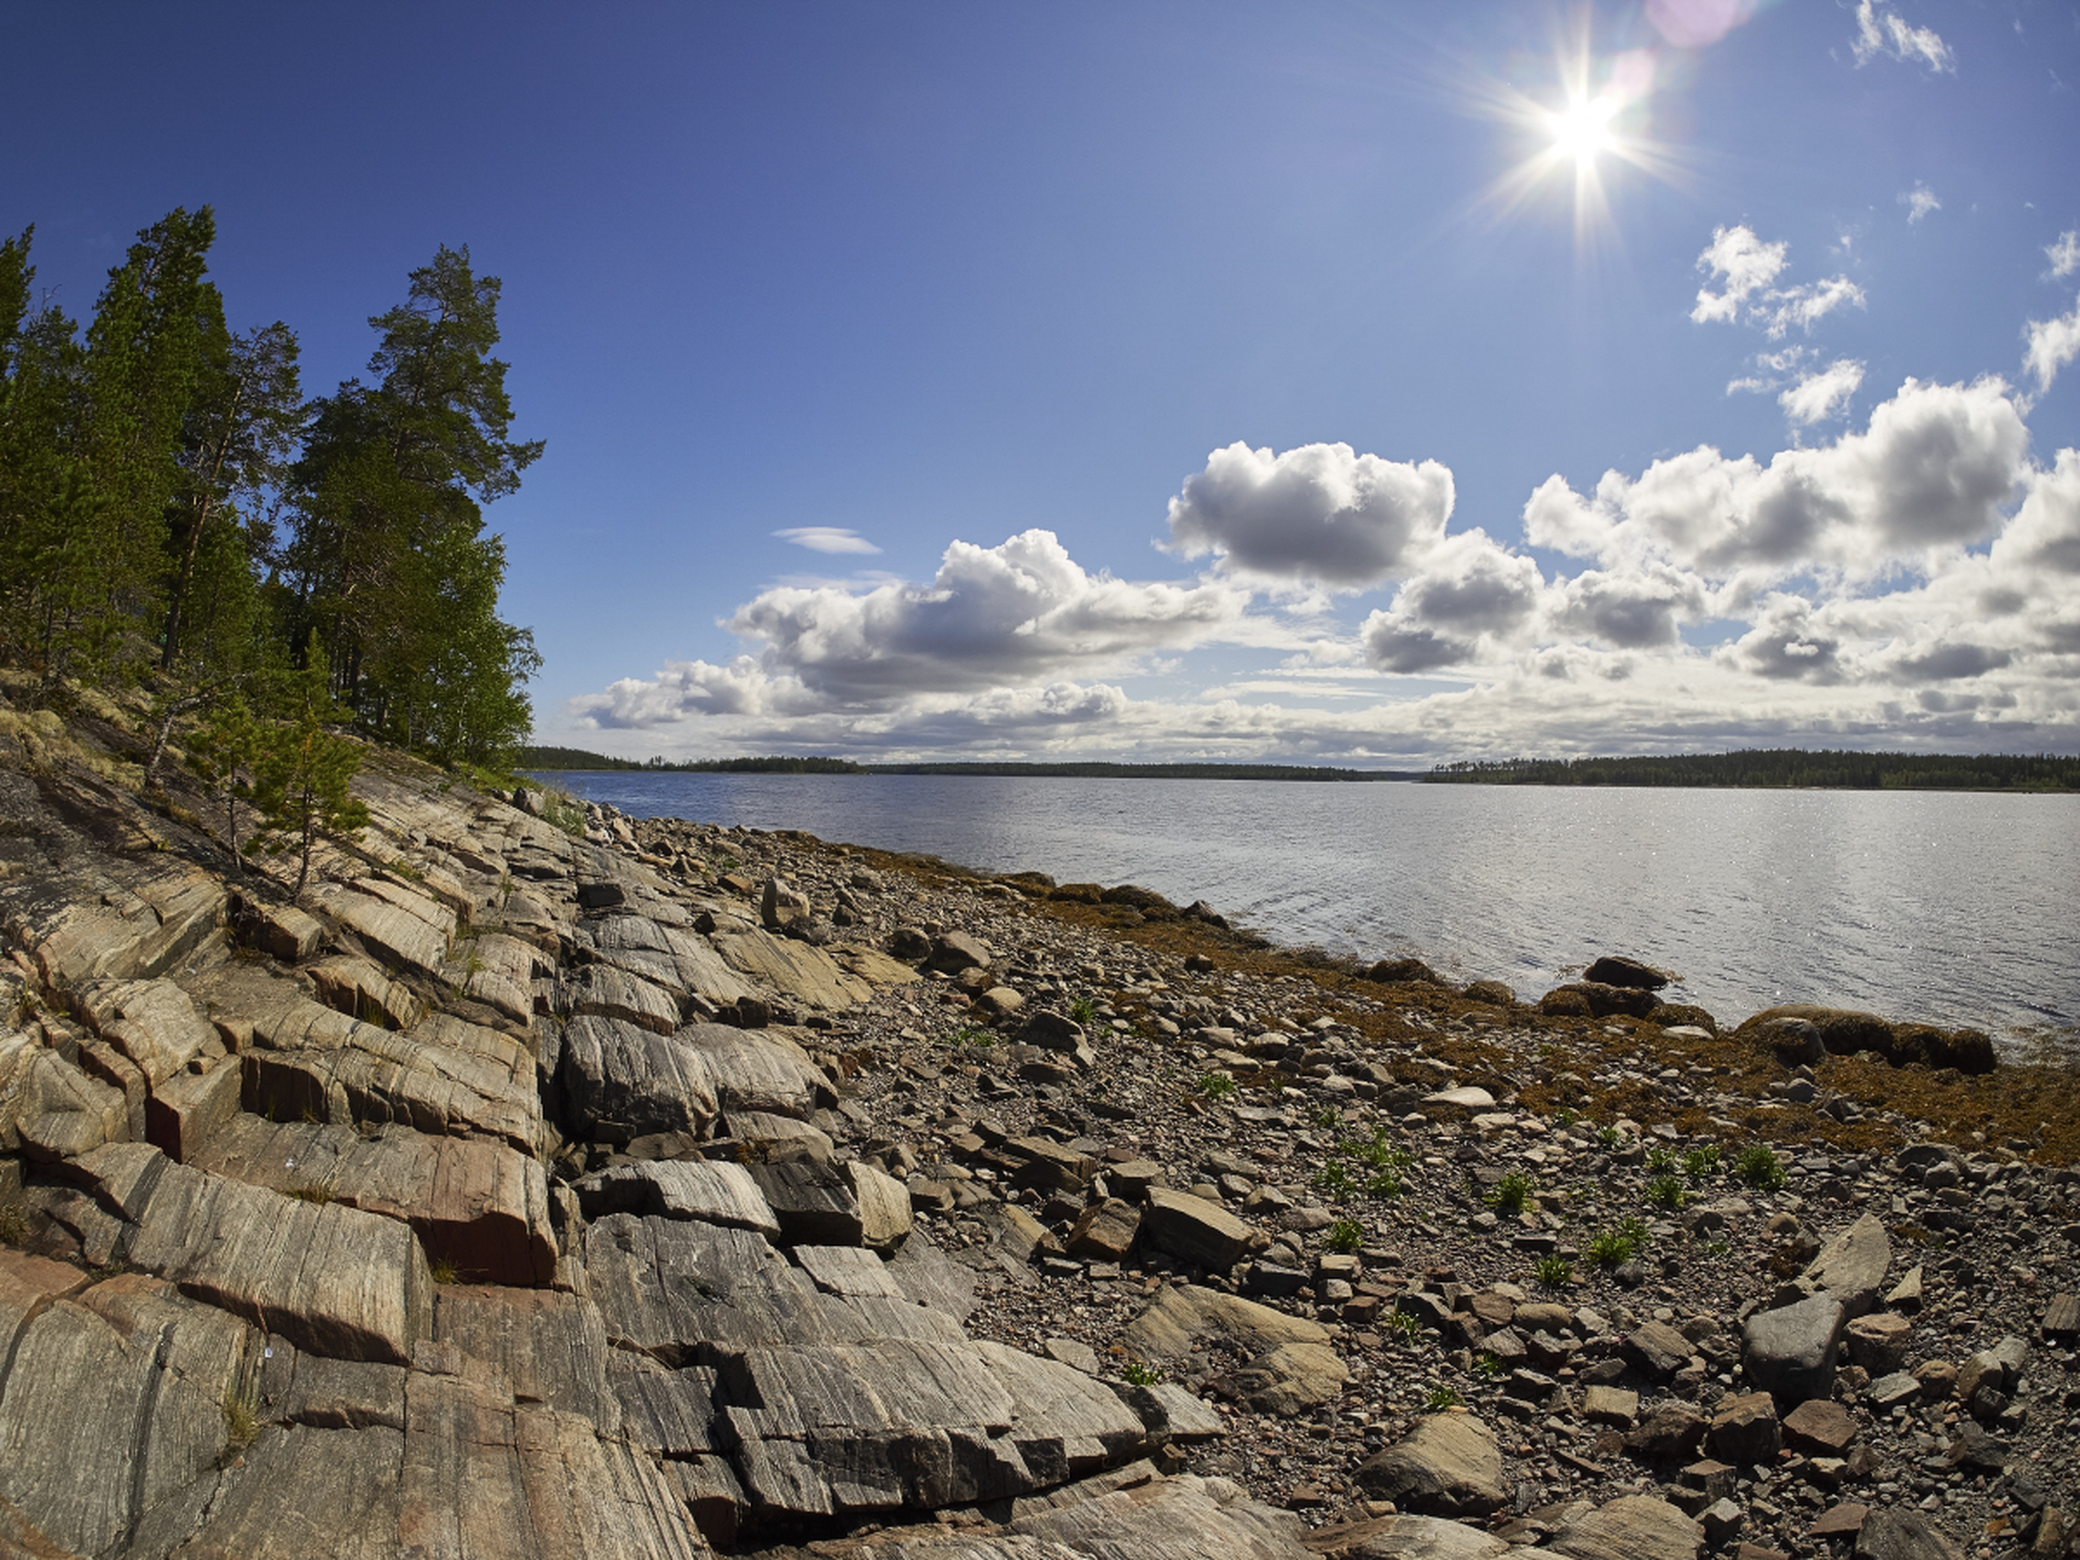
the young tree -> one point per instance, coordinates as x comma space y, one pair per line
301, 773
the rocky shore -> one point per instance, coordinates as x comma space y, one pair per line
555, 1183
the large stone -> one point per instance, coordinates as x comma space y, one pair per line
1745, 1429
957, 951
1200, 1232
330, 1279
1852, 1265
122, 919
884, 1206
757, 1070
602, 991
1820, 1427
1449, 1465
1879, 1342
1615, 970
672, 957
52, 1110
1632, 1527
1163, 1519
401, 937
190, 1109
1790, 1352
815, 1204
548, 1346
361, 989
480, 1206
1290, 1366
1892, 1534
1105, 1232
1658, 1349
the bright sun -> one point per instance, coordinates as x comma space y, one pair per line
1582, 131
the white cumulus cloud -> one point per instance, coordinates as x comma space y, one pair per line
827, 539
2051, 345
1881, 30
1474, 594
2063, 255
1919, 201
1933, 470
1319, 515
1743, 263
1819, 396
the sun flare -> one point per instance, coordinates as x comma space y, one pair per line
1582, 132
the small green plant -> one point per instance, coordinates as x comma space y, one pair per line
1083, 1012
1666, 1192
1442, 1398
1758, 1165
1141, 1375
241, 1420
1661, 1159
1376, 1151
442, 1269
1555, 1272
1491, 1367
1216, 1085
1334, 1177
1701, 1162
1511, 1193
969, 1035
1608, 1138
1328, 1118
1622, 1244
1564, 1118
1384, 1183
1403, 1326
310, 1192
1344, 1235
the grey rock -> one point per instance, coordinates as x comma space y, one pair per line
1892, 1534
1852, 1265
1449, 1465
1632, 1527
1790, 1352
714, 1191
1407, 1537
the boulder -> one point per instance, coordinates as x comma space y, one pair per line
1104, 1232
1878, 1342
620, 1082
1159, 1519
152, 1022
713, 1191
602, 991
1449, 1465
803, 975
1615, 970
191, 1108
957, 951
407, 931
1820, 1428
281, 931
1405, 1538
782, 905
1892, 1534
1403, 972
1632, 1527
1852, 1265
1790, 1352
1745, 1429
1605, 1001
360, 989
1191, 1228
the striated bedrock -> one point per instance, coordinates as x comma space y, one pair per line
383, 1224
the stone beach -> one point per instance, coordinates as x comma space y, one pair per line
641, 1187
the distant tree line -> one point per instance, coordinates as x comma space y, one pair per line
173, 509
556, 758
1787, 768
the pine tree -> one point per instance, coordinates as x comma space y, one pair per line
301, 774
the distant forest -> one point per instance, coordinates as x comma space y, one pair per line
1782, 768
551, 758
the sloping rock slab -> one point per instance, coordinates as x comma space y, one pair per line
330, 1279
602, 991
398, 937
311, 1060
302, 1492
801, 974
1405, 1538
713, 1191
484, 1475
674, 958
1851, 1267
621, 1082
150, 1021
126, 920
1291, 1363
481, 1206
551, 1348
757, 1070
74, 1374
1170, 1519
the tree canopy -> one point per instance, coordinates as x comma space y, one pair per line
169, 500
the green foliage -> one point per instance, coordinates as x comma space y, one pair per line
1622, 1244
1384, 1183
1083, 1012
242, 1419
1511, 1193
1344, 1235
1491, 1367
300, 776
1442, 1398
1215, 1085
1660, 1159
1608, 1138
1334, 1177
1759, 1166
1328, 1117
1701, 1162
1404, 1326
1554, 1272
1141, 1375
1666, 1192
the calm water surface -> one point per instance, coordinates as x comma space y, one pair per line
1951, 907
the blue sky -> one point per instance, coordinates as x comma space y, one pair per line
1323, 382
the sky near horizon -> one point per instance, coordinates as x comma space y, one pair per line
1375, 384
